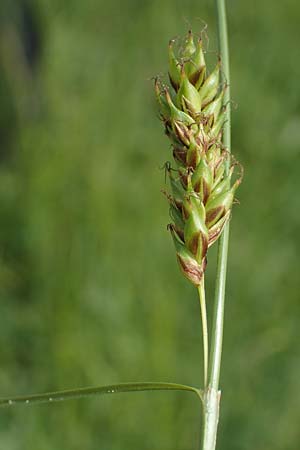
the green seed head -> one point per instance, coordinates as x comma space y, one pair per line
202, 192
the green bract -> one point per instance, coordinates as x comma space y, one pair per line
193, 114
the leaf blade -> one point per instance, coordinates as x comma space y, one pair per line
69, 394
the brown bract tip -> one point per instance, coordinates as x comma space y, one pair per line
192, 271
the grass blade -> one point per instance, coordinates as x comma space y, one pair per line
92, 391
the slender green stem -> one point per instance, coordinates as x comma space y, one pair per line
201, 292
99, 390
218, 317
211, 396
218, 321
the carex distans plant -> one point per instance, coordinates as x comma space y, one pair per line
201, 189
195, 110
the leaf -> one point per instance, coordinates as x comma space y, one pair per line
69, 394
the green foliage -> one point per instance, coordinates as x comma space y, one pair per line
90, 292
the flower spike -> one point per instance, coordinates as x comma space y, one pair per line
202, 192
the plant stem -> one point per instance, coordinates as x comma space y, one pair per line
218, 317
201, 292
212, 394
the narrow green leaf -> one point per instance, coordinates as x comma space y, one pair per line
92, 391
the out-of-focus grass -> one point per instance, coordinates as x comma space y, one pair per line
90, 291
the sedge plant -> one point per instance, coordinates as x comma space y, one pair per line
195, 111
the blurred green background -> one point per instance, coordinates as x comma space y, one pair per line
90, 289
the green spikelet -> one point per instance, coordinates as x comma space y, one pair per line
202, 192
